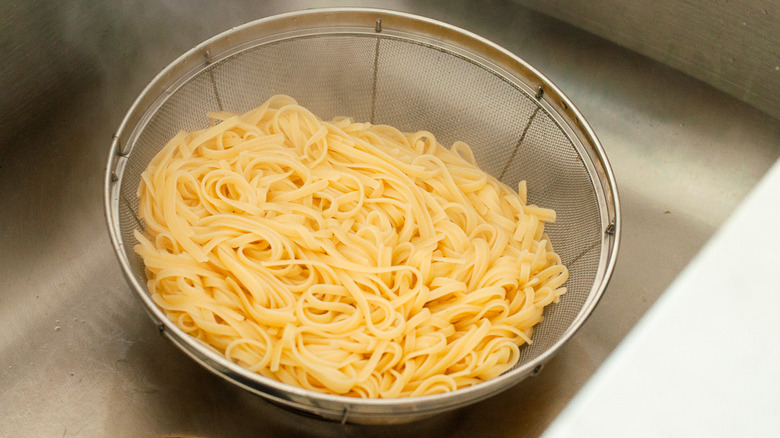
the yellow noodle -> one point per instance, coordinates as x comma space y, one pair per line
343, 257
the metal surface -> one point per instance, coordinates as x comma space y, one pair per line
731, 45
412, 73
78, 356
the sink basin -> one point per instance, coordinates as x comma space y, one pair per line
78, 356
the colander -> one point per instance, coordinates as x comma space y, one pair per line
413, 73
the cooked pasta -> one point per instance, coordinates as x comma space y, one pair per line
342, 257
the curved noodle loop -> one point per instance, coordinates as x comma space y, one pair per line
344, 257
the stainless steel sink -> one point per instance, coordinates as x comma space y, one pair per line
78, 355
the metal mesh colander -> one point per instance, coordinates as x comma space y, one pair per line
412, 73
